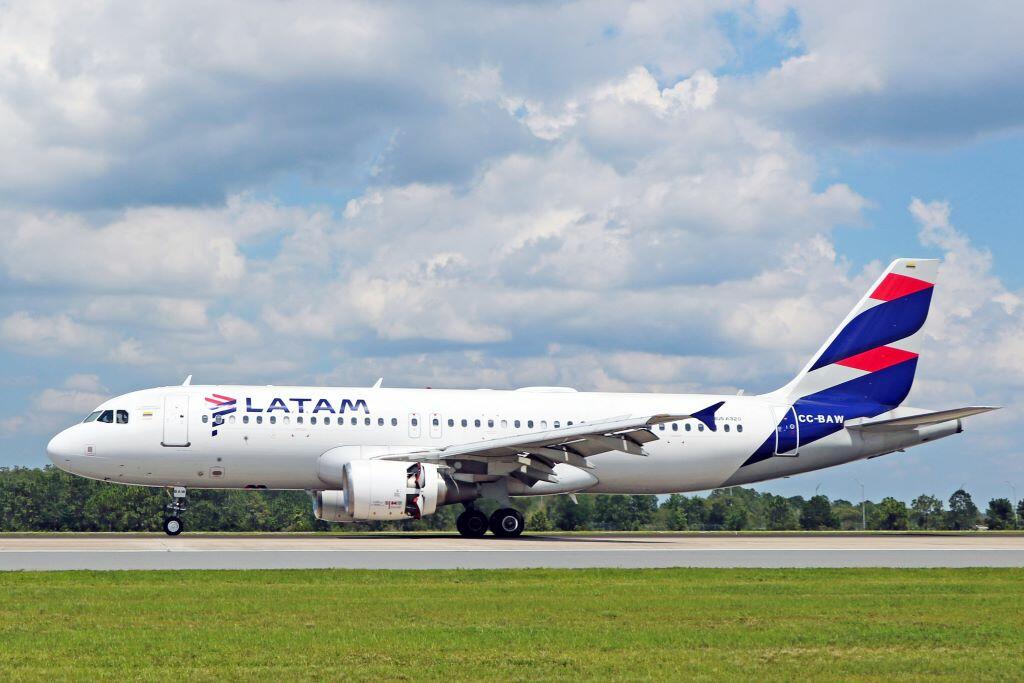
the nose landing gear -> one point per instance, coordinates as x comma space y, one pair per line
172, 522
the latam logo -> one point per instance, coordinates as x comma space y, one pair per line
308, 405
821, 419
221, 406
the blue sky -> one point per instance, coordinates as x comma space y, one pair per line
471, 196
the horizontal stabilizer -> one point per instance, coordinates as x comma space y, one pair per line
912, 421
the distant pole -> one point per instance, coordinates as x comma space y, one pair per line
1013, 503
863, 512
816, 488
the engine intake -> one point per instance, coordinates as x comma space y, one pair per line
381, 490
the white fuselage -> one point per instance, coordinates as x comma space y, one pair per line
276, 435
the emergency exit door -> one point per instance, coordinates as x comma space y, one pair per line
175, 420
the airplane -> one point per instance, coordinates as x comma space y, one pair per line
397, 454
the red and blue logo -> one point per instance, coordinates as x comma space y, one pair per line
220, 405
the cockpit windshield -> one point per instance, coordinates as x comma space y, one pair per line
108, 416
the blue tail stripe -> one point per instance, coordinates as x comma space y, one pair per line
878, 326
865, 396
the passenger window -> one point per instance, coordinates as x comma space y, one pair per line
675, 427
106, 416
557, 424
312, 420
394, 422
700, 427
122, 417
739, 428
490, 423
415, 422
726, 427
285, 420
380, 421
298, 420
476, 423
327, 420
451, 422
245, 419
205, 418
516, 423
543, 424
463, 423
688, 426
273, 419
529, 423
504, 424
259, 419
231, 419
366, 421
662, 426
354, 422
434, 421
569, 423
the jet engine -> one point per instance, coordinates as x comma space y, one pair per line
381, 490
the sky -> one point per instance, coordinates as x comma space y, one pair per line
657, 196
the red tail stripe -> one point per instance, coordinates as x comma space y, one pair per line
894, 286
877, 359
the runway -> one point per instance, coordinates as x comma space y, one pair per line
414, 551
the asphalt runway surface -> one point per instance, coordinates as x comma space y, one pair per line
416, 551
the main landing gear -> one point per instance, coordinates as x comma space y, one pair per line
504, 523
172, 522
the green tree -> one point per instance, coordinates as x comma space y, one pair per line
999, 514
926, 512
737, 518
780, 515
538, 521
890, 515
568, 516
963, 513
817, 514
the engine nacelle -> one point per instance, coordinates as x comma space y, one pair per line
381, 490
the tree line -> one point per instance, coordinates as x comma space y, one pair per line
51, 500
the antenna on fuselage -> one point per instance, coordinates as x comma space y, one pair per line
376, 385
187, 382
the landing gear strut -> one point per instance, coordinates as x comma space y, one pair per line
172, 522
507, 523
472, 523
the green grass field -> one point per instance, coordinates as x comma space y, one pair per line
868, 624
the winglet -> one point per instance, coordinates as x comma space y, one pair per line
707, 415
187, 382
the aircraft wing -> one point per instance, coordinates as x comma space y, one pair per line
920, 420
531, 457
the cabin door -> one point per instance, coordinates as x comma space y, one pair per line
175, 420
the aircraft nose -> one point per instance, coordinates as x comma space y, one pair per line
61, 449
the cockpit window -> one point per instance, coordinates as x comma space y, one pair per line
92, 416
122, 417
106, 416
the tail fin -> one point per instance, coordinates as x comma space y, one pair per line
871, 357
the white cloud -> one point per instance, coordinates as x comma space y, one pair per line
46, 334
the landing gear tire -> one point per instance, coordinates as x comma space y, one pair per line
507, 523
472, 524
173, 526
